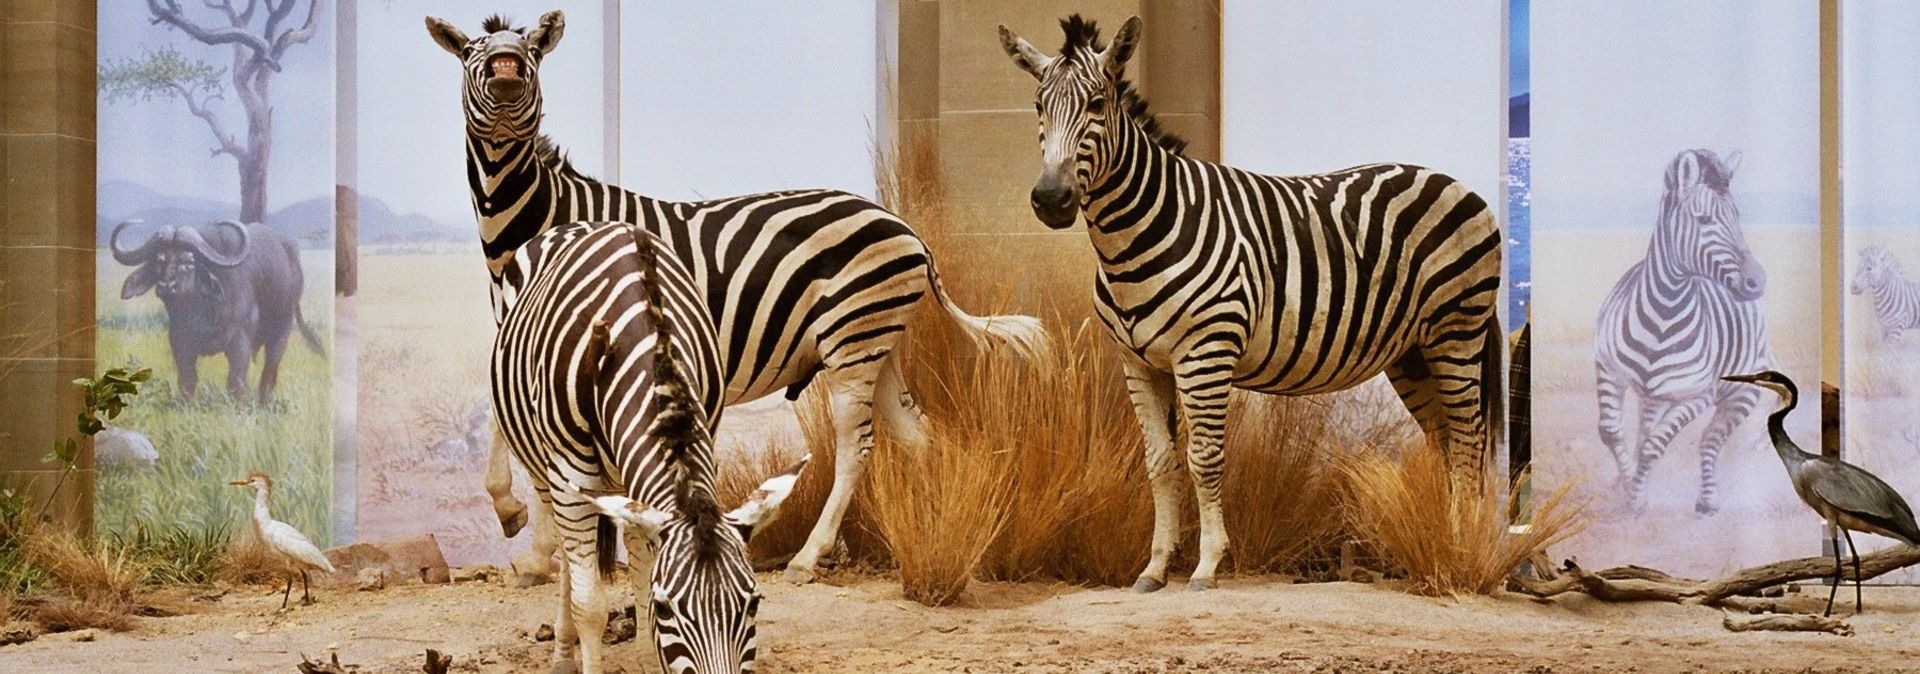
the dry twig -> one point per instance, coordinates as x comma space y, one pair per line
1786, 622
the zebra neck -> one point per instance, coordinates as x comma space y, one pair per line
1136, 190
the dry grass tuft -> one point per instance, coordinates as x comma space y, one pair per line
248, 562
1447, 542
1283, 495
938, 512
66, 615
82, 568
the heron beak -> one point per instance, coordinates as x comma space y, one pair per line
1742, 378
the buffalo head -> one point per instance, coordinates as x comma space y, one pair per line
179, 261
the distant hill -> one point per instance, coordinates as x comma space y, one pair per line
309, 221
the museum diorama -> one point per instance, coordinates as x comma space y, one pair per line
958, 336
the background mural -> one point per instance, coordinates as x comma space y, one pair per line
195, 129
1881, 150
1626, 96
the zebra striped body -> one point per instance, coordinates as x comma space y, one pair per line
799, 284
1679, 320
1216, 278
1896, 298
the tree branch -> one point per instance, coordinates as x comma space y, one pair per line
225, 7
1642, 584
297, 36
171, 14
227, 143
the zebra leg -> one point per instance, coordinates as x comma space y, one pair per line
535, 566
853, 389
1414, 384
1611, 398
894, 405
566, 635
1456, 386
640, 553
1203, 386
586, 602
1152, 394
511, 512
1654, 439
1735, 404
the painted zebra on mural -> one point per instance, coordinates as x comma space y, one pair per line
799, 283
1215, 278
1680, 319
1896, 298
606, 379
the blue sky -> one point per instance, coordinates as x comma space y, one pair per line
1881, 100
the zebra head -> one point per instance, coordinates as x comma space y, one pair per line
1080, 91
705, 597
1700, 224
502, 87
1877, 269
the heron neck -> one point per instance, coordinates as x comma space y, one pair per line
1789, 452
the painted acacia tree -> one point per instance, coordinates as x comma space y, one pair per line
259, 42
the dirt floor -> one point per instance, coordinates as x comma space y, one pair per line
861, 624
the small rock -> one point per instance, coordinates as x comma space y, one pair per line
18, 633
370, 579
545, 633
435, 575
1775, 591
478, 573
619, 631
83, 635
241, 635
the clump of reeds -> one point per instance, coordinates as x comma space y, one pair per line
1446, 541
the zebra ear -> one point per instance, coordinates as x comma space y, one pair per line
1023, 53
1117, 53
546, 36
764, 504
447, 36
1732, 163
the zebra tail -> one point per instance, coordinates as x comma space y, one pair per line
605, 537
1493, 396
1026, 335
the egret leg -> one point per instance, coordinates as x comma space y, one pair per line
1838, 572
1859, 606
306, 588
288, 593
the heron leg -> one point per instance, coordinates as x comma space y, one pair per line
1859, 606
1838, 572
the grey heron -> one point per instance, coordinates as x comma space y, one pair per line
1850, 498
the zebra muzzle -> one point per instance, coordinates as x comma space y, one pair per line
505, 66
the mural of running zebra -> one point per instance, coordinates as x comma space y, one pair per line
1896, 298
798, 283
1215, 278
606, 380
1677, 321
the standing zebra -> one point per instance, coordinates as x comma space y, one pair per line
798, 283
1215, 278
1679, 320
606, 373
1896, 298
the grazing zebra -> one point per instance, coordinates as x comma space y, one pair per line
1678, 320
798, 283
606, 373
1215, 278
1896, 298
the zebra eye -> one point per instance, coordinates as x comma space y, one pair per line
1096, 103
1703, 219
1036, 108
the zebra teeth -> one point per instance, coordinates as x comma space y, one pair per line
505, 65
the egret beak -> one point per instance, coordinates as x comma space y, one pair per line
238, 483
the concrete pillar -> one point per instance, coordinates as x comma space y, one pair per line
47, 100
954, 87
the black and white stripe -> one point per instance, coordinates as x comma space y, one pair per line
1216, 278
1896, 298
801, 283
1677, 321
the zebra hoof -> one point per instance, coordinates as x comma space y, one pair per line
1145, 585
797, 575
1705, 509
1201, 584
565, 667
526, 580
511, 525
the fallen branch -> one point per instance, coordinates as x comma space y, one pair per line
318, 667
437, 662
1633, 583
1786, 622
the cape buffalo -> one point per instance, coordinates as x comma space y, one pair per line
228, 288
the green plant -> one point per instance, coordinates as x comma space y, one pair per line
178, 555
106, 396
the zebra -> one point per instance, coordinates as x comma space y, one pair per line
1213, 278
1896, 298
606, 380
799, 283
1676, 322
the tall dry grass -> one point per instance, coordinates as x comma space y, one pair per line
1447, 541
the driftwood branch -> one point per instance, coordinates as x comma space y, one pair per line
1633, 583
1786, 622
324, 667
437, 662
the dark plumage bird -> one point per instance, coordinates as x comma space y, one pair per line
1850, 498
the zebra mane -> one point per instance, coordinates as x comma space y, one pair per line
679, 419
549, 153
1083, 46
499, 22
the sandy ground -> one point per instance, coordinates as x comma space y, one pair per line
861, 624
